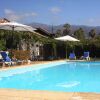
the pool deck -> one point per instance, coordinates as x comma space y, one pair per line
32, 63
13, 94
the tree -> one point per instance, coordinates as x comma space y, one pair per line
79, 34
66, 29
15, 40
92, 33
2, 45
58, 33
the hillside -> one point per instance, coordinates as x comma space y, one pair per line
49, 28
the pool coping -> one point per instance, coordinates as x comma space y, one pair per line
12, 94
42, 62
32, 64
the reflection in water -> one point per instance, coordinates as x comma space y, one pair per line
75, 65
68, 84
37, 75
85, 65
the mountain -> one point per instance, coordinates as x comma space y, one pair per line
43, 26
51, 28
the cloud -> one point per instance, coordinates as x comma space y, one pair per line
93, 21
11, 15
55, 10
33, 14
8, 11
14, 16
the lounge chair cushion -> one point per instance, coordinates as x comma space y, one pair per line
86, 56
5, 57
72, 56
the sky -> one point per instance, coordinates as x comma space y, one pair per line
74, 12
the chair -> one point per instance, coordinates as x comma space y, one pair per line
6, 58
72, 56
50, 58
86, 56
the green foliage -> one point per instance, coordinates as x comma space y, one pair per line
92, 33
14, 38
54, 49
79, 34
9, 39
58, 33
20, 54
2, 45
66, 30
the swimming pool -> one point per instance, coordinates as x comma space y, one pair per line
58, 76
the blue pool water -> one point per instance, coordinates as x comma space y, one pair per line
62, 76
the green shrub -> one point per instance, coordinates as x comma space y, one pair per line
20, 54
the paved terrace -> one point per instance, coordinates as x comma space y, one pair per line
10, 94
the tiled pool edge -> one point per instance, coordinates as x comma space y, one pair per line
13, 94
54, 63
32, 64
27, 68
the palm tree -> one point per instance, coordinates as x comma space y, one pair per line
92, 33
66, 29
79, 34
58, 33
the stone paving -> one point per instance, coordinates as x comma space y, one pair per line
12, 94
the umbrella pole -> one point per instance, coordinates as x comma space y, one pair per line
12, 35
66, 52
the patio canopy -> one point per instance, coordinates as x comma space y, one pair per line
14, 26
67, 38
